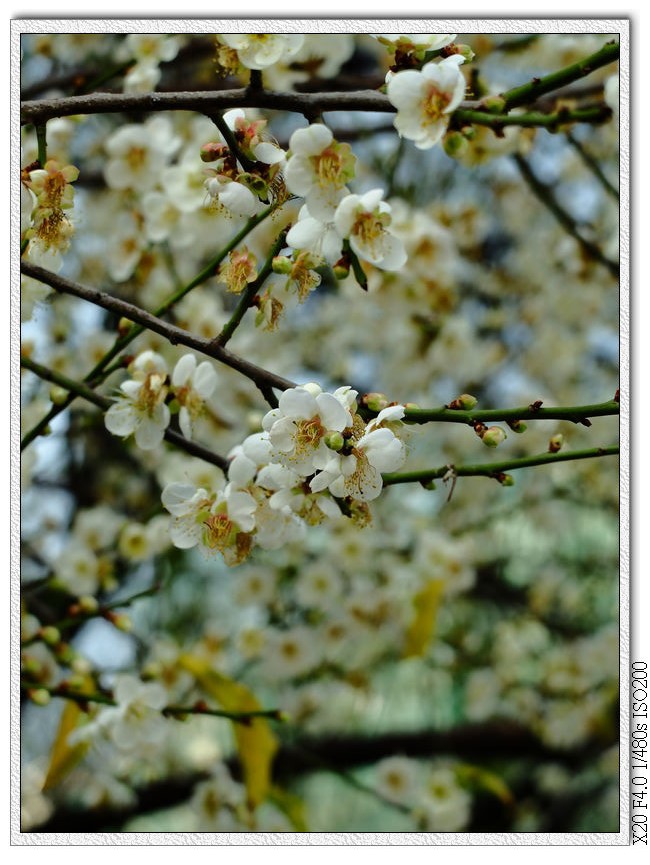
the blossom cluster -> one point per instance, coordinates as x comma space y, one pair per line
46, 195
314, 455
141, 408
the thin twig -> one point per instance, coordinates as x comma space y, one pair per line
545, 194
593, 166
494, 470
101, 370
175, 335
574, 413
102, 402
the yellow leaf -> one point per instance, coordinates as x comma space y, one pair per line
420, 630
255, 742
477, 777
292, 806
64, 757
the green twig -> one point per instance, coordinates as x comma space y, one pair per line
102, 370
76, 388
494, 470
527, 93
83, 699
248, 295
574, 413
534, 119
86, 615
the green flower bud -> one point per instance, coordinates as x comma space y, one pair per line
517, 426
282, 264
494, 104
58, 395
455, 144
464, 402
40, 696
506, 480
493, 436
375, 401
50, 635
465, 51
334, 440
342, 268
88, 604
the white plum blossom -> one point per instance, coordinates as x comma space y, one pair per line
415, 43
424, 100
249, 135
313, 448
259, 50
138, 152
299, 426
315, 236
192, 386
318, 169
142, 77
136, 722
152, 47
78, 569
358, 474
141, 407
364, 220
234, 196
219, 521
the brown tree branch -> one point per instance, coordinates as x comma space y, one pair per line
175, 335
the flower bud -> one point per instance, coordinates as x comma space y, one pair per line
81, 666
517, 426
88, 604
493, 436
124, 326
50, 635
493, 104
342, 268
282, 264
212, 151
375, 401
455, 144
506, 480
334, 440
465, 52
58, 395
555, 443
465, 401
64, 653
120, 620
40, 696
